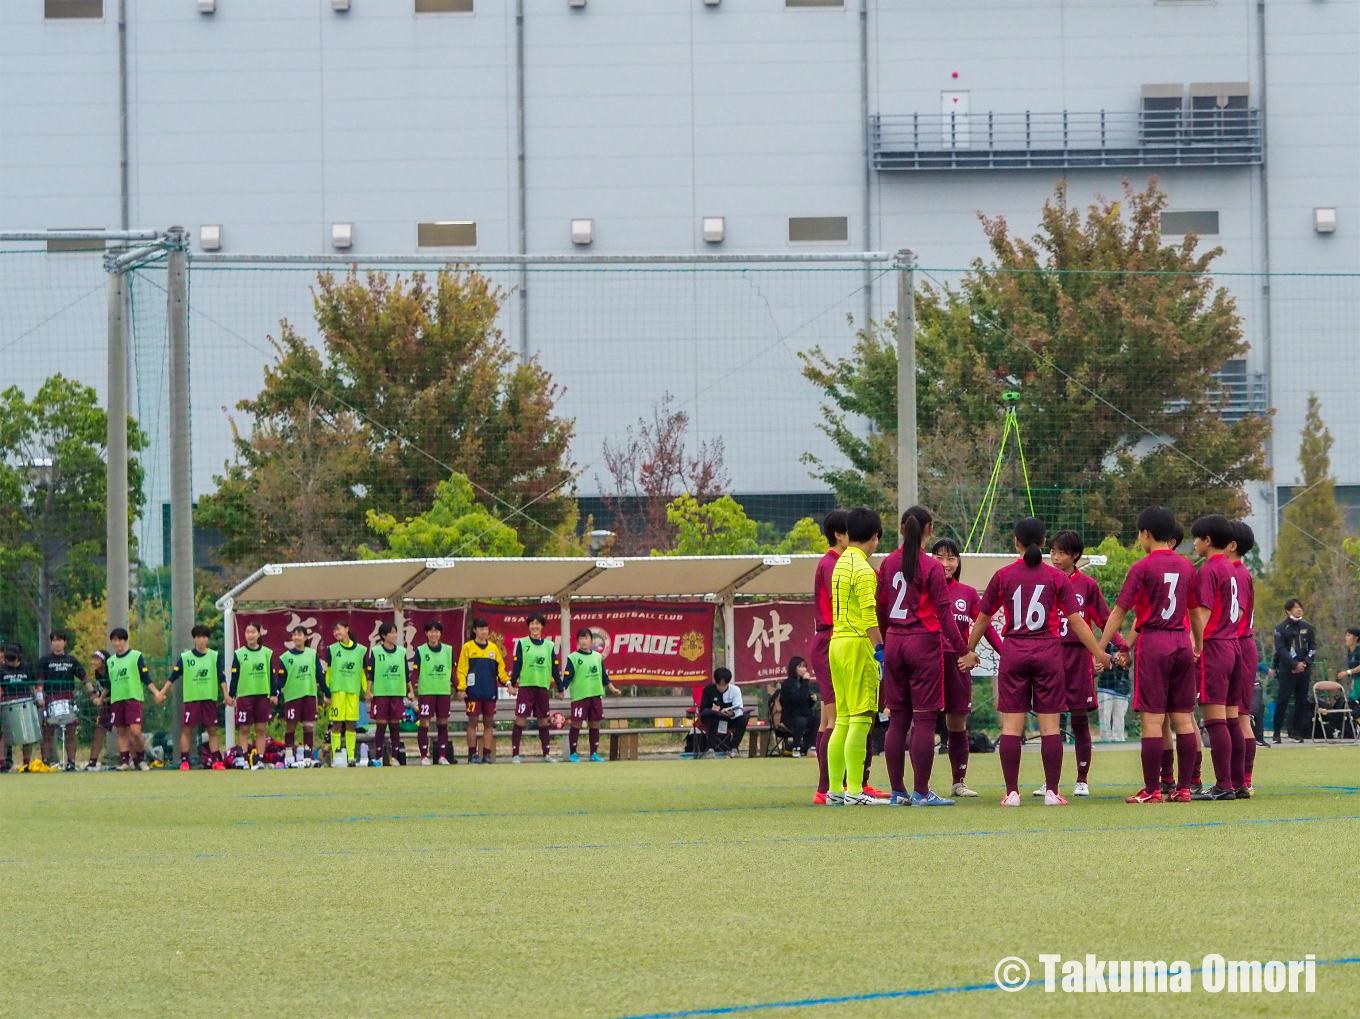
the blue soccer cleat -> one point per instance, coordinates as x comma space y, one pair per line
930, 799
596, 758
575, 758
899, 799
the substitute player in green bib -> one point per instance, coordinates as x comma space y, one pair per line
297, 680
532, 672
199, 671
128, 675
856, 656
388, 684
585, 677
251, 695
344, 666
432, 689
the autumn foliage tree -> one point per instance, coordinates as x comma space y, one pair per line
1110, 338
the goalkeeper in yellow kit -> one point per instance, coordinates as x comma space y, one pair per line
856, 658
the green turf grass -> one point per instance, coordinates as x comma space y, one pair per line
624, 889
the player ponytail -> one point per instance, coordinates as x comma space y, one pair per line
1029, 535
915, 522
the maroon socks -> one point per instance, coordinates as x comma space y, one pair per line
594, 741
1081, 738
894, 750
288, 740
1153, 759
573, 734
1220, 749
1168, 766
423, 741
868, 753
1239, 754
1009, 751
1051, 749
442, 745
922, 750
1199, 759
1249, 746
823, 780
958, 754
545, 738
1187, 756
515, 734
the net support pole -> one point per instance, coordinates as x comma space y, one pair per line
181, 483
116, 497
228, 654
729, 618
907, 495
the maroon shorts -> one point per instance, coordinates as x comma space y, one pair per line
105, 719
1248, 657
820, 653
481, 706
387, 709
913, 672
254, 709
531, 702
587, 709
300, 709
1163, 672
1218, 672
123, 713
434, 705
202, 713
1079, 672
1031, 678
958, 688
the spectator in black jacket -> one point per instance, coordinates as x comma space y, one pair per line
798, 707
722, 714
1295, 649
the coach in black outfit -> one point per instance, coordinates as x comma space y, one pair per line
1295, 649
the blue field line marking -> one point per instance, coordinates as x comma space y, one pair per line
526, 813
923, 992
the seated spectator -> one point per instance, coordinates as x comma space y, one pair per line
796, 698
1352, 669
722, 714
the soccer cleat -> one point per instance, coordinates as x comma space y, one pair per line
1179, 796
575, 758
123, 767
70, 765
1081, 789
961, 789
1011, 799
1245, 793
876, 793
218, 766
516, 760
899, 799
596, 758
1145, 796
474, 759
1167, 789
257, 766
1196, 787
444, 761
425, 761
375, 762
819, 799
835, 799
1053, 798
1214, 793
549, 759
486, 758
861, 800
796, 753
183, 765
1041, 791
930, 799
143, 766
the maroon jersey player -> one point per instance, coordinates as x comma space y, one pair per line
1157, 589
958, 683
1078, 668
834, 527
922, 647
1215, 628
1036, 598
1244, 540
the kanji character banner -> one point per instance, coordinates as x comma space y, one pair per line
769, 634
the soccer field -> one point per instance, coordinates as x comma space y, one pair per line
655, 887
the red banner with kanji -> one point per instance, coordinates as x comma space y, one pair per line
647, 643
277, 625
769, 635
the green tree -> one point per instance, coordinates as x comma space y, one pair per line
1310, 560
721, 527
1111, 340
417, 371
53, 488
1118, 559
456, 525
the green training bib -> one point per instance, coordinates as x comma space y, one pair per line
436, 670
199, 673
253, 671
389, 671
587, 675
535, 662
299, 672
125, 676
345, 673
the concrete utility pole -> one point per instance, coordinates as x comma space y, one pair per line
181, 481
906, 382
116, 497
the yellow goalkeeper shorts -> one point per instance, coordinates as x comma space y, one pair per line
854, 675
344, 707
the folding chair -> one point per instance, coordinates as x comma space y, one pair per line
781, 743
1332, 711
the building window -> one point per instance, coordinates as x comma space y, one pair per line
1203, 224
1218, 109
443, 6
838, 4
455, 234
819, 229
62, 9
1161, 114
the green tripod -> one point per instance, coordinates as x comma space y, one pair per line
983, 518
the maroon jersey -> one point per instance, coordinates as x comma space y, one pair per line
821, 589
964, 600
1157, 590
1215, 589
1246, 597
919, 604
1036, 600
1091, 601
